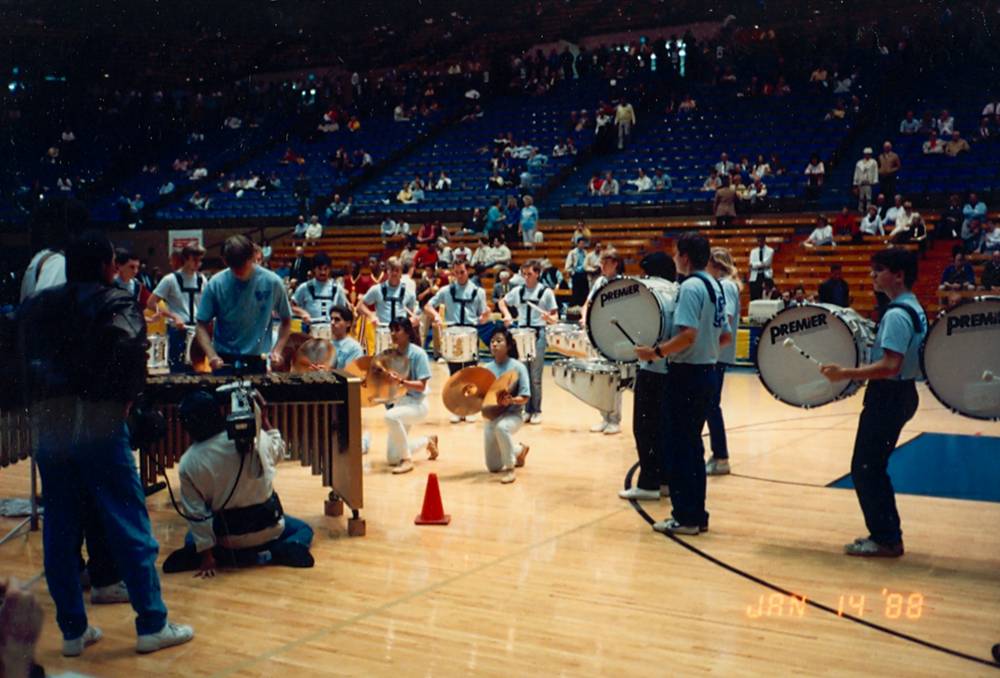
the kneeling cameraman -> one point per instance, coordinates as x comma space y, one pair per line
234, 514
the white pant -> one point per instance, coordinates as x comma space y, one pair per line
408, 411
615, 415
498, 441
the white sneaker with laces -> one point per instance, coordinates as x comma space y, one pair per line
612, 429
170, 635
717, 467
671, 526
472, 418
74, 647
599, 428
454, 419
639, 494
536, 418
107, 595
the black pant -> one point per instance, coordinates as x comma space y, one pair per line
649, 428
581, 287
690, 389
455, 367
716, 423
888, 406
756, 288
887, 186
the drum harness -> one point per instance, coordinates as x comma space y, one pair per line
190, 291
453, 289
398, 299
311, 286
540, 292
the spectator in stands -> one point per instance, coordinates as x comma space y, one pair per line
956, 145
776, 165
501, 287
972, 235
577, 273
167, 188
407, 254
314, 230
428, 232
495, 180
944, 123
405, 196
494, 219
761, 168
889, 218
389, 229
512, 220
334, 209
610, 184
427, 256
499, 255
973, 208
835, 290
560, 150
687, 105
724, 205
581, 232
724, 167
901, 221
595, 183
991, 237
959, 274
815, 174
662, 181
769, 291
821, 236
796, 298
949, 225
713, 182
199, 201
592, 263
462, 253
985, 131
871, 224
624, 121
991, 272
443, 183
302, 190
300, 228
845, 223
642, 182
888, 167
291, 158
301, 266
927, 123
865, 176
445, 254
529, 222
476, 222
933, 145
909, 125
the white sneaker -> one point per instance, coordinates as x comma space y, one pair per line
536, 418
599, 428
404, 466
454, 419
106, 595
612, 429
508, 477
639, 494
74, 648
717, 467
671, 526
472, 418
170, 635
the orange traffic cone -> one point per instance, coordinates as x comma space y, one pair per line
433, 512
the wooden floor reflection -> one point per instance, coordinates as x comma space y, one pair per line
555, 575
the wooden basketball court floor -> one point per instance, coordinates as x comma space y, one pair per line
554, 575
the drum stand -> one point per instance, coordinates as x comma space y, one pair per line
32, 518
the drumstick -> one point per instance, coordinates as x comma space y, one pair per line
614, 321
790, 343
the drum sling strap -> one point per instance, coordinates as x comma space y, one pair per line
321, 297
918, 324
527, 308
398, 299
461, 304
190, 291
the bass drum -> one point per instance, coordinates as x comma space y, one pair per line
961, 358
828, 333
627, 312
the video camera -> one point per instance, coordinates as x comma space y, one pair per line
243, 420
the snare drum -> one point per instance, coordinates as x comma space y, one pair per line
595, 382
320, 331
460, 344
157, 358
525, 339
194, 355
383, 339
963, 347
828, 333
628, 312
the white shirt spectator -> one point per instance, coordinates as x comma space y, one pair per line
990, 109
761, 262
871, 224
821, 235
642, 183
389, 228
462, 252
866, 172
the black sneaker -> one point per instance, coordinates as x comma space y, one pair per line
291, 555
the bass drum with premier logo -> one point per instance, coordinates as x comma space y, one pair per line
628, 312
828, 333
961, 358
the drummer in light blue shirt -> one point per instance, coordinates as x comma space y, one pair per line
502, 453
241, 300
390, 299
699, 329
890, 401
527, 299
313, 299
721, 267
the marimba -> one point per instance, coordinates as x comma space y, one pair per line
318, 414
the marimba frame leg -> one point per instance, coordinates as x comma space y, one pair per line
334, 506
356, 525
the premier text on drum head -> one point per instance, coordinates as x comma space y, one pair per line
796, 326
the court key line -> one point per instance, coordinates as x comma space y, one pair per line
808, 601
375, 611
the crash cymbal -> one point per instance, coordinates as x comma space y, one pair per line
314, 355
392, 361
292, 344
503, 384
465, 390
376, 387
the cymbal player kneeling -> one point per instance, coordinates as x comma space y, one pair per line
234, 515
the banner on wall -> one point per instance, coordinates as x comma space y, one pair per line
178, 240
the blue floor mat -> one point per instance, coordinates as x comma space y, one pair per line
941, 465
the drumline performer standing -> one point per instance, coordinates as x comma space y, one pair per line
465, 306
890, 401
314, 298
699, 329
181, 292
412, 407
721, 267
649, 426
612, 266
502, 453
390, 299
536, 307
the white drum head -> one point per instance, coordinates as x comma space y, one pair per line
961, 358
624, 306
793, 378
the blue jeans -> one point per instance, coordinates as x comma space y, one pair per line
716, 425
94, 457
296, 532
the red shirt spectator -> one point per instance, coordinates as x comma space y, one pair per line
845, 223
429, 232
427, 256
